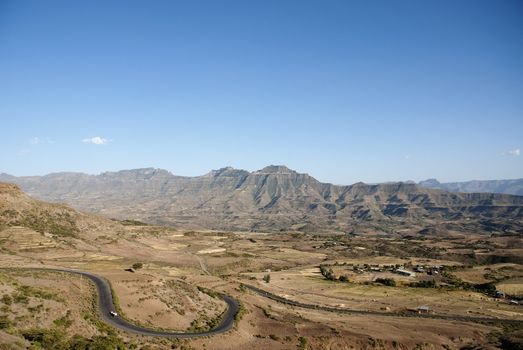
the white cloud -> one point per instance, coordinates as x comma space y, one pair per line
513, 152
38, 141
35, 141
96, 140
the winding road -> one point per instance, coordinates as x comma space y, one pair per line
286, 301
106, 305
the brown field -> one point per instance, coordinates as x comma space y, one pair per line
164, 294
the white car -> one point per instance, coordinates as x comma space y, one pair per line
113, 313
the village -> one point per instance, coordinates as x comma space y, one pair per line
409, 275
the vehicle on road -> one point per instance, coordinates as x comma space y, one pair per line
106, 307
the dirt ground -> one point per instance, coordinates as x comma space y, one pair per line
164, 292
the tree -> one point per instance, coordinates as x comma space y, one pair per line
137, 265
386, 281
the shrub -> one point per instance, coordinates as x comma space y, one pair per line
137, 265
241, 311
327, 273
5, 322
21, 299
344, 278
47, 339
6, 299
302, 343
424, 284
386, 282
267, 278
487, 288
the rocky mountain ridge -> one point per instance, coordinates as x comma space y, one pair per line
514, 186
271, 199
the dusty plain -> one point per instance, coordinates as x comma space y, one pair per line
178, 266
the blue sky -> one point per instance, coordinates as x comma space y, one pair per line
343, 90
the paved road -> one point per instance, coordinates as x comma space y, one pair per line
106, 305
279, 299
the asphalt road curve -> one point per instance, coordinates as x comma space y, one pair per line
282, 300
106, 305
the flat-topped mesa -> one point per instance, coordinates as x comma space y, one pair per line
430, 183
144, 172
227, 171
276, 169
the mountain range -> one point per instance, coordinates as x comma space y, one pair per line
274, 198
478, 186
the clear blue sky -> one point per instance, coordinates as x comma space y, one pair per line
343, 90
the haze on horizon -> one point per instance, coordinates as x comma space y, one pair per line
345, 91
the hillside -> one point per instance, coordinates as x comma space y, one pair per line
274, 198
18, 210
514, 187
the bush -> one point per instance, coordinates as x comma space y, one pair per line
267, 278
5, 322
64, 321
137, 265
302, 343
327, 273
424, 284
487, 288
512, 341
6, 299
55, 339
241, 311
21, 299
47, 339
386, 282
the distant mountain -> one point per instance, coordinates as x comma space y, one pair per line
274, 198
478, 186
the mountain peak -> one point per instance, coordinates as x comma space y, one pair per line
273, 198
275, 169
430, 183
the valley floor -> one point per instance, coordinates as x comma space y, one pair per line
453, 278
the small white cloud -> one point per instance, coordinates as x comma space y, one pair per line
35, 141
513, 152
96, 140
407, 156
38, 141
